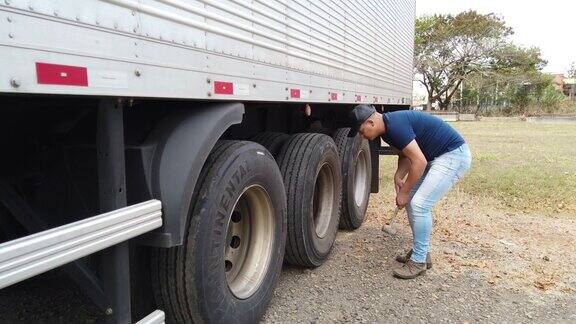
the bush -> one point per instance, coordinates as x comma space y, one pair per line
551, 99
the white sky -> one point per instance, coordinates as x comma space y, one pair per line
549, 25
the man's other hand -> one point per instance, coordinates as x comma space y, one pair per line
401, 199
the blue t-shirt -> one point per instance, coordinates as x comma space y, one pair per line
433, 135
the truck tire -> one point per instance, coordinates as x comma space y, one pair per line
310, 167
356, 178
271, 141
229, 264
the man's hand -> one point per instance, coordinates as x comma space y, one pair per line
401, 199
398, 183
417, 166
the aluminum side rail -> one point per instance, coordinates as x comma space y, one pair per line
156, 317
29, 256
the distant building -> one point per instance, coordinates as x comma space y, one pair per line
569, 87
564, 85
558, 81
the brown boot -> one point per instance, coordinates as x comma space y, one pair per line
410, 270
402, 258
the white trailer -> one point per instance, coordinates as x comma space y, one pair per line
229, 114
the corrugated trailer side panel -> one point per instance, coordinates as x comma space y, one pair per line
262, 50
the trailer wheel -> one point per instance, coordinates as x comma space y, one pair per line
271, 141
356, 176
310, 167
228, 266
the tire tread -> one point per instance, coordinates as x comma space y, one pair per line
169, 265
292, 159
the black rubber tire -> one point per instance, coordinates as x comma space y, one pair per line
271, 141
352, 215
189, 281
300, 160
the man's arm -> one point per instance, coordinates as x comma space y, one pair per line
401, 171
417, 166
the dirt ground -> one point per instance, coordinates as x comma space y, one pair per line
490, 265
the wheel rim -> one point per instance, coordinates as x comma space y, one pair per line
360, 178
249, 242
323, 200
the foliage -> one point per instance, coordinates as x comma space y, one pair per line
513, 94
551, 98
467, 63
517, 63
449, 48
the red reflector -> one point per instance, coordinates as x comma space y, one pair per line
333, 96
358, 98
61, 74
295, 93
223, 87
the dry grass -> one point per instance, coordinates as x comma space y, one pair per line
525, 166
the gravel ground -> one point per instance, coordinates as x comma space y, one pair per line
357, 286
490, 265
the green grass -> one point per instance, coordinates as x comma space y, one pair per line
528, 167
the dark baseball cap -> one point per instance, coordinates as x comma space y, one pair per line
358, 116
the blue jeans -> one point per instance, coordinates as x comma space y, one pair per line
440, 175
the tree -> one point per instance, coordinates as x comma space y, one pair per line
514, 61
551, 98
449, 48
512, 77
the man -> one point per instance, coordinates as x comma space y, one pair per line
432, 155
